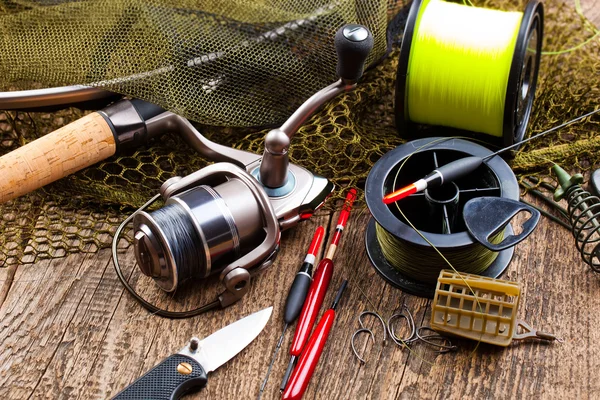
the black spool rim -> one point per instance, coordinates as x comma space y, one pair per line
403, 123
516, 113
513, 129
374, 192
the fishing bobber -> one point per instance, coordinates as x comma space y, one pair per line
480, 308
468, 69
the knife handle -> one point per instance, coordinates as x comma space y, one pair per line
166, 381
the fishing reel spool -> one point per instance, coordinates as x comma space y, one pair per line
521, 75
438, 213
227, 218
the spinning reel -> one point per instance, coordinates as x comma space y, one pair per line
227, 218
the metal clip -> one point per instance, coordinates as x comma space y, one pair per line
529, 332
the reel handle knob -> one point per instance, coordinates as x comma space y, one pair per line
353, 43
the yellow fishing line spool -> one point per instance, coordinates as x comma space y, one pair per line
468, 68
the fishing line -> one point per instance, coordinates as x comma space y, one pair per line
179, 229
413, 261
416, 265
469, 68
458, 78
415, 150
476, 298
412, 258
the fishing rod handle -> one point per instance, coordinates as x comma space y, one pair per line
82, 143
68, 149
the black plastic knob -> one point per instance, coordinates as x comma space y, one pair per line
353, 43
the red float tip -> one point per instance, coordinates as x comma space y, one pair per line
400, 194
316, 241
345, 214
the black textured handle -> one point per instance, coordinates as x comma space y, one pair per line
353, 43
296, 297
168, 380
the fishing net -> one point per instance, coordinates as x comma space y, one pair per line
231, 66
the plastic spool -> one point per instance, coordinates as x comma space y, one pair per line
493, 178
457, 103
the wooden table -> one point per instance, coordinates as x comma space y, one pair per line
68, 329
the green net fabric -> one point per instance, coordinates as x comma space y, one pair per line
252, 63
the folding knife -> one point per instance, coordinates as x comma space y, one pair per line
186, 371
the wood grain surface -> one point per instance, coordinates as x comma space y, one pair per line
69, 331
68, 149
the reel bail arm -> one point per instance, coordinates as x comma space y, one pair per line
353, 43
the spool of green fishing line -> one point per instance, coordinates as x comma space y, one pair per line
425, 265
468, 68
408, 259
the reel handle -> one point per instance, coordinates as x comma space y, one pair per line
67, 150
353, 43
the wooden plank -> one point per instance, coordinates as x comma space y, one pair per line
555, 299
6, 279
591, 9
96, 339
78, 335
41, 303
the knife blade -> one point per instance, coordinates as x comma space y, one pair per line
186, 371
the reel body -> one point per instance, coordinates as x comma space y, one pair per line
219, 220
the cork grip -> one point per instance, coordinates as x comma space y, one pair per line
73, 147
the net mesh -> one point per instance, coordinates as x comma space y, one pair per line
230, 66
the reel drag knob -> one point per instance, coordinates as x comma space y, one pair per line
353, 43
